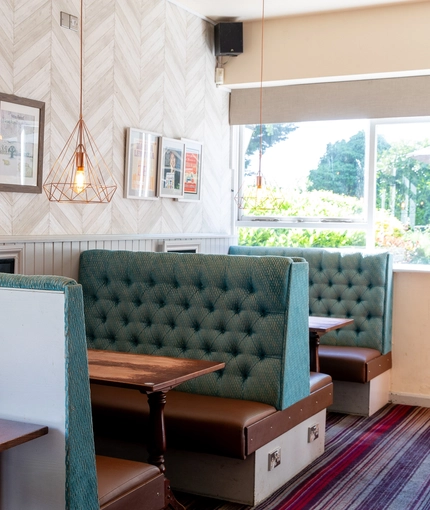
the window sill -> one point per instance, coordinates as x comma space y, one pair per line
411, 268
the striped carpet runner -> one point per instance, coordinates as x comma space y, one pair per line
376, 463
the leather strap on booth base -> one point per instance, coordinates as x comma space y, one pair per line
128, 485
353, 364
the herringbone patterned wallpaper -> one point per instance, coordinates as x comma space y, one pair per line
147, 64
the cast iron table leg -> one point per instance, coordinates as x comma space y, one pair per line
157, 443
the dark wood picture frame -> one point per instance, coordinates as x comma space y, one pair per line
27, 117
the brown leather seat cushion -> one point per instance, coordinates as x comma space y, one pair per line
128, 485
193, 422
345, 363
319, 380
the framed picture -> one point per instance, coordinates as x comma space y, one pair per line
22, 123
171, 168
141, 164
192, 170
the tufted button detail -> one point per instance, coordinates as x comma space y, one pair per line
348, 315
222, 330
369, 316
137, 302
339, 299
151, 283
186, 306
116, 301
125, 321
196, 327
128, 282
245, 375
211, 308
176, 284
234, 351
330, 283
161, 303
134, 340
349, 285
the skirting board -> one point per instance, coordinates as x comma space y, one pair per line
410, 399
247, 481
362, 399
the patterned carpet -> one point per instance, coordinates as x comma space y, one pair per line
376, 463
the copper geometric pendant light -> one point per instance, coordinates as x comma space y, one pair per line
80, 174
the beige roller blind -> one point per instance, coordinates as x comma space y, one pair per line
363, 99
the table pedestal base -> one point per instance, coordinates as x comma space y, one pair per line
157, 445
170, 500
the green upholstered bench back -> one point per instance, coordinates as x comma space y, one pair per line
245, 311
342, 284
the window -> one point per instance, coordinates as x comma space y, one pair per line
343, 183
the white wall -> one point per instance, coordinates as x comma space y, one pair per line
147, 64
411, 345
391, 39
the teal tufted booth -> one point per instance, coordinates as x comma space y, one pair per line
349, 285
248, 314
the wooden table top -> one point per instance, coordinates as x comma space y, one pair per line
143, 371
326, 324
14, 433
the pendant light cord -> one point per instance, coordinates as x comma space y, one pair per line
261, 92
81, 63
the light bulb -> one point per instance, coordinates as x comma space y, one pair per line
79, 181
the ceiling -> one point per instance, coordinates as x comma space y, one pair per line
245, 10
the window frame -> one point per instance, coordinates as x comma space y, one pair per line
366, 223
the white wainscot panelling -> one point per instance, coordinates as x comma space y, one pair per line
60, 256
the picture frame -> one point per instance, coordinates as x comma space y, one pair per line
192, 171
171, 168
22, 124
141, 164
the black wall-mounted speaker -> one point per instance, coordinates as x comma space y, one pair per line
228, 39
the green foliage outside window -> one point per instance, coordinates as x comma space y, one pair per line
334, 190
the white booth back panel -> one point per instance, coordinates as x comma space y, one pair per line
32, 389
